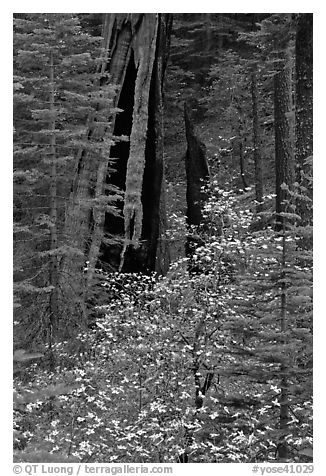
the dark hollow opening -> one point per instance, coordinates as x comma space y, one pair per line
141, 259
152, 182
114, 225
120, 151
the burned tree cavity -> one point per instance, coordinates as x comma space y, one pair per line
197, 171
197, 174
120, 150
140, 161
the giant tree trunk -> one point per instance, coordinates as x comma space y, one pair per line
304, 104
135, 57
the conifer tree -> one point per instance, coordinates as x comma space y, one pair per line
276, 40
55, 90
284, 156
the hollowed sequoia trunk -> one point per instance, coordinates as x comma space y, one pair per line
137, 47
138, 50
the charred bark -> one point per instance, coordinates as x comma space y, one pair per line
197, 174
197, 171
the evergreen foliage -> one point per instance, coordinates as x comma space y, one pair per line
58, 104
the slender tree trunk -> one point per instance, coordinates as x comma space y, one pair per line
282, 448
259, 186
241, 158
242, 166
304, 107
54, 302
284, 160
201, 387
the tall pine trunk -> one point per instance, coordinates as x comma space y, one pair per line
284, 160
284, 171
54, 301
282, 447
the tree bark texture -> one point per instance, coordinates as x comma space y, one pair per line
284, 160
304, 103
54, 282
197, 171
